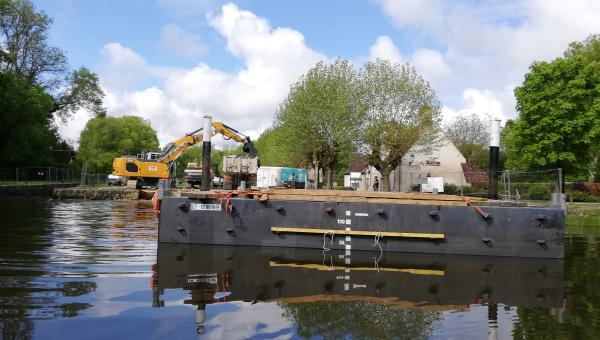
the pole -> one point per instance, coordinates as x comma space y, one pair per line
206, 135
494, 160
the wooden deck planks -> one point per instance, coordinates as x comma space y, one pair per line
363, 200
368, 194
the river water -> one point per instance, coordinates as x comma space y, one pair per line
93, 270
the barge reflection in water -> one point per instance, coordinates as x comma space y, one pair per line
366, 294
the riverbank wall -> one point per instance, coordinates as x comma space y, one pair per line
33, 189
104, 193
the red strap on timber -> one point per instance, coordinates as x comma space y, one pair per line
477, 208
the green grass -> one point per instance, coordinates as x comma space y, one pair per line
587, 214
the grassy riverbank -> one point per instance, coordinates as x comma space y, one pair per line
583, 214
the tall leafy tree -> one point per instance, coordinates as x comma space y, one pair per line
559, 113
24, 41
471, 135
105, 138
402, 111
271, 148
320, 115
24, 35
26, 130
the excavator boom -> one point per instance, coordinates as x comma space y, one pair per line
149, 170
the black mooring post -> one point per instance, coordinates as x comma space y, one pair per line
206, 146
494, 170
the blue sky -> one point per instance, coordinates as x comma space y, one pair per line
174, 61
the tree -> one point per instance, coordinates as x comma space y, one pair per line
589, 51
23, 35
82, 92
271, 149
559, 114
471, 135
23, 40
105, 138
25, 127
402, 111
320, 115
358, 320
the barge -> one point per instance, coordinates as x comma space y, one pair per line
350, 220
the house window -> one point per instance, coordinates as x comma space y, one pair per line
432, 162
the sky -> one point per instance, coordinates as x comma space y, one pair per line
174, 61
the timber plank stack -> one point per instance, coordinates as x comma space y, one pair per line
323, 195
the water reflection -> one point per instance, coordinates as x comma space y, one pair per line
53, 253
325, 294
81, 269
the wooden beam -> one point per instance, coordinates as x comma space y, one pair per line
371, 194
355, 232
319, 266
340, 199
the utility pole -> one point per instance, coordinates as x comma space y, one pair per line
206, 146
494, 160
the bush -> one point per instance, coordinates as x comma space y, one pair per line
540, 192
451, 189
580, 196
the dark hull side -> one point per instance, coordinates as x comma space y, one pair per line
406, 280
509, 231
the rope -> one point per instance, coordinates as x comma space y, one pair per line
330, 243
378, 237
329, 266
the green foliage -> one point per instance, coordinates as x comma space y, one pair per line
580, 196
578, 317
23, 35
25, 127
402, 111
359, 320
476, 155
83, 92
559, 106
471, 134
105, 138
272, 149
319, 117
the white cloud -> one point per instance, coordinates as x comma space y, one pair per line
183, 43
273, 59
244, 322
384, 48
484, 103
472, 53
489, 46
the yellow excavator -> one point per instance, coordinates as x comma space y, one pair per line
148, 167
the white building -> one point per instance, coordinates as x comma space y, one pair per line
445, 162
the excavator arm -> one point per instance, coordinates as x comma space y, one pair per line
231, 133
175, 149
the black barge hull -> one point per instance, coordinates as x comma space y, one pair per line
440, 229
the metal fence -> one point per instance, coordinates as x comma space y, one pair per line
47, 175
512, 184
37, 175
87, 179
